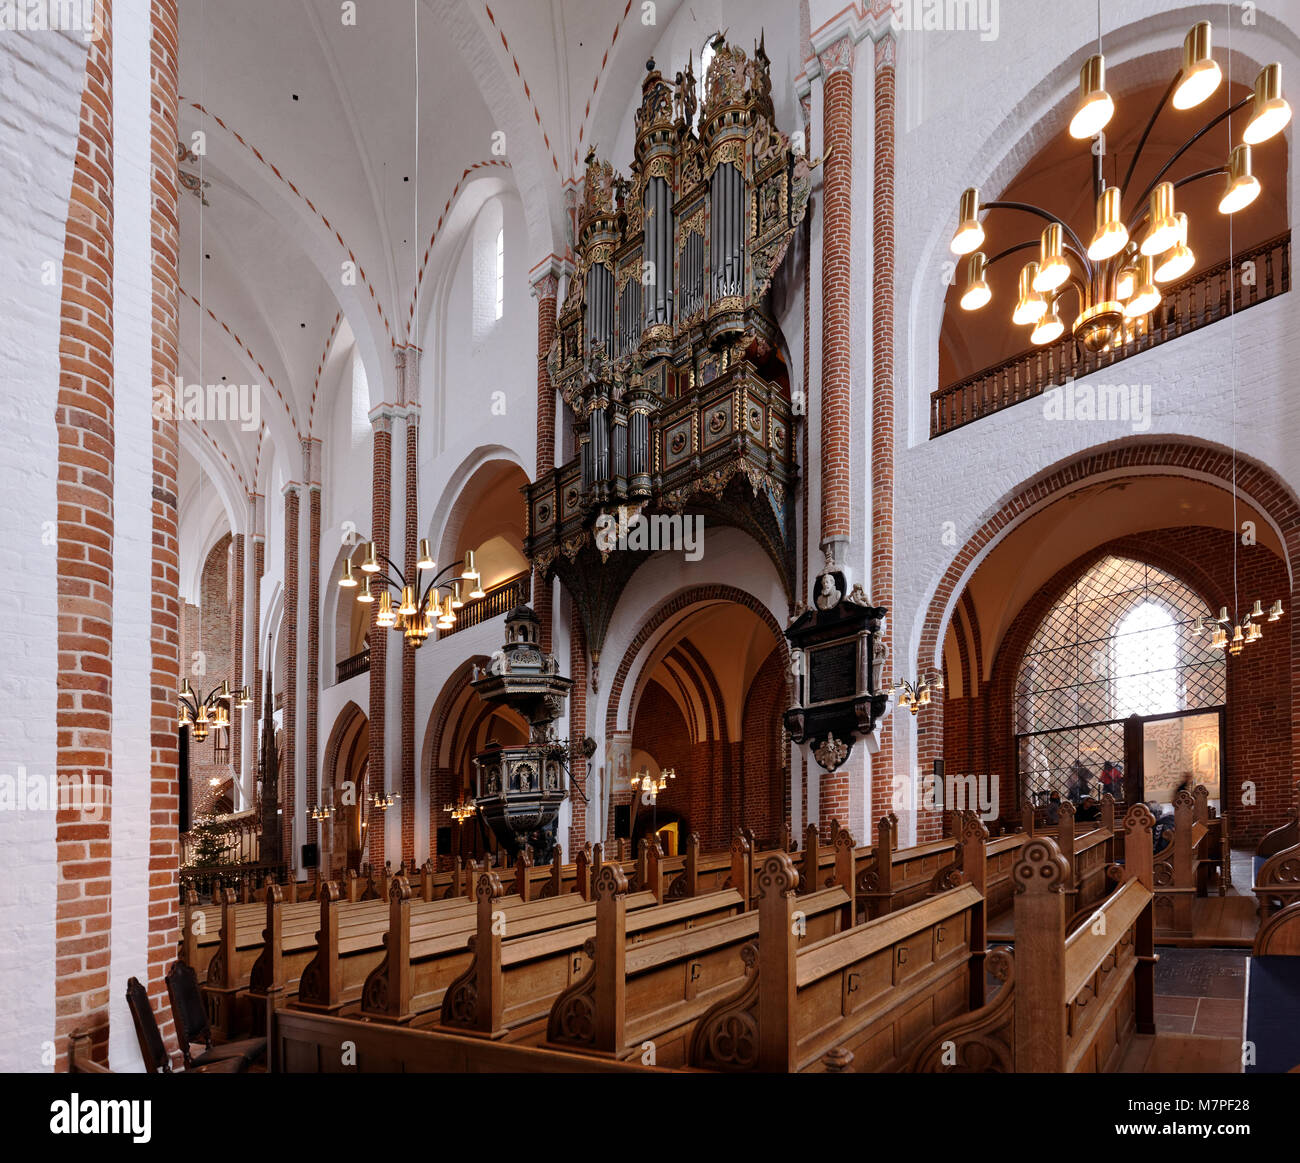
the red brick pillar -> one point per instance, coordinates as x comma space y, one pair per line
313, 646
882, 393
84, 714
311, 696
288, 773
408, 651
236, 657
836, 386
546, 289
837, 245
577, 727
256, 522
165, 602
381, 485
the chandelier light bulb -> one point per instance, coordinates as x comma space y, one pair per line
1126, 280
1179, 259
456, 600
1201, 73
1254, 633
1162, 229
469, 571
385, 617
364, 594
1275, 611
1095, 104
408, 601
1270, 113
426, 560
970, 234
1243, 186
1111, 234
1146, 298
371, 563
1257, 610
348, 580
1219, 640
1198, 628
977, 293
1031, 306
1046, 330
1053, 270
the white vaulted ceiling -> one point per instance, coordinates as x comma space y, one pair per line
310, 129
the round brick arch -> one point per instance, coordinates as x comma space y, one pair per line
675, 605
1260, 484
1267, 492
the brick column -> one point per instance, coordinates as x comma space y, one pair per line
381, 503
165, 602
288, 772
882, 392
412, 534
577, 726
236, 657
84, 420
836, 387
257, 524
311, 696
837, 244
546, 290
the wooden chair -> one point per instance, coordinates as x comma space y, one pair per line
152, 1049
191, 1018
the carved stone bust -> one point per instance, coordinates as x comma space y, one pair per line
828, 593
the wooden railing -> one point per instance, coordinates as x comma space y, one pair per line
1194, 303
500, 599
205, 881
241, 834
351, 667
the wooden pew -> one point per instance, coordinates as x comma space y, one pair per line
1277, 864
1175, 869
643, 1000
890, 879
1067, 1003
869, 991
417, 969
346, 956
509, 988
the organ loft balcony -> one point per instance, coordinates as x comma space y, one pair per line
668, 357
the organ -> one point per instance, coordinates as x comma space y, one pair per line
667, 355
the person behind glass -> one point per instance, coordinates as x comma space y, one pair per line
1112, 780
1081, 787
1054, 808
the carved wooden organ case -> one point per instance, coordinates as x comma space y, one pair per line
667, 354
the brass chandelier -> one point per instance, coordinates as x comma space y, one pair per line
417, 611
1244, 630
1117, 276
648, 785
211, 713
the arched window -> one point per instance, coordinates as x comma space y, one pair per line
1118, 642
501, 272
1145, 662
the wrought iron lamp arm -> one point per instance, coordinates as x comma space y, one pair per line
1132, 165
434, 583
1029, 208
1182, 149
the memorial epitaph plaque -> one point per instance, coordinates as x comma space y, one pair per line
835, 656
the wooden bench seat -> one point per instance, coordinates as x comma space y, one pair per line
643, 1000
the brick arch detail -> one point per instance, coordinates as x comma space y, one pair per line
999, 745
1266, 490
675, 605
